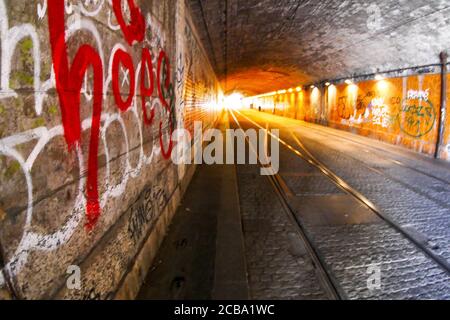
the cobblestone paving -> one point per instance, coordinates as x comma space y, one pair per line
412, 204
349, 249
431, 180
406, 273
278, 265
411, 198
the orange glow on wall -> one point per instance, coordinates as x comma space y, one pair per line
402, 111
446, 138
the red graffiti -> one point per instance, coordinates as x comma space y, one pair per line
69, 81
147, 92
163, 59
135, 31
122, 57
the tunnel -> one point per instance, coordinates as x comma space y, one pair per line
217, 150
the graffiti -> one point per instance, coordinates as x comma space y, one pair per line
155, 34
369, 108
417, 118
391, 109
394, 101
343, 109
380, 113
144, 211
418, 95
89, 8
354, 109
70, 79
134, 31
417, 115
362, 103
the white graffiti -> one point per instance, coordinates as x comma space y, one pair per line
42, 10
380, 113
156, 38
42, 136
89, 8
10, 37
418, 95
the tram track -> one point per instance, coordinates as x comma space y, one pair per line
329, 283
394, 161
302, 152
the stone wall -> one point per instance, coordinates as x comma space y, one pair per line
90, 94
263, 45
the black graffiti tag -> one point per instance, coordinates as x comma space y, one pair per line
144, 212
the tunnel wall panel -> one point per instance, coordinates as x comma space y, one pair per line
402, 111
87, 184
445, 148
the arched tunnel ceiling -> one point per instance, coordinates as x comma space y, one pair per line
265, 45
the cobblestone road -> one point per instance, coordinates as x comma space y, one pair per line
413, 190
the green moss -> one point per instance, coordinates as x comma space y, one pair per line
21, 78
53, 110
18, 103
2, 109
45, 70
25, 51
12, 169
39, 122
26, 78
26, 45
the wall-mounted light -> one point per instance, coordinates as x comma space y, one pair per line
281, 92
327, 84
313, 86
348, 81
291, 90
298, 89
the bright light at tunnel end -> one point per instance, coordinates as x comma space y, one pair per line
234, 101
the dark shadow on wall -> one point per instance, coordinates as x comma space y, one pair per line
184, 267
